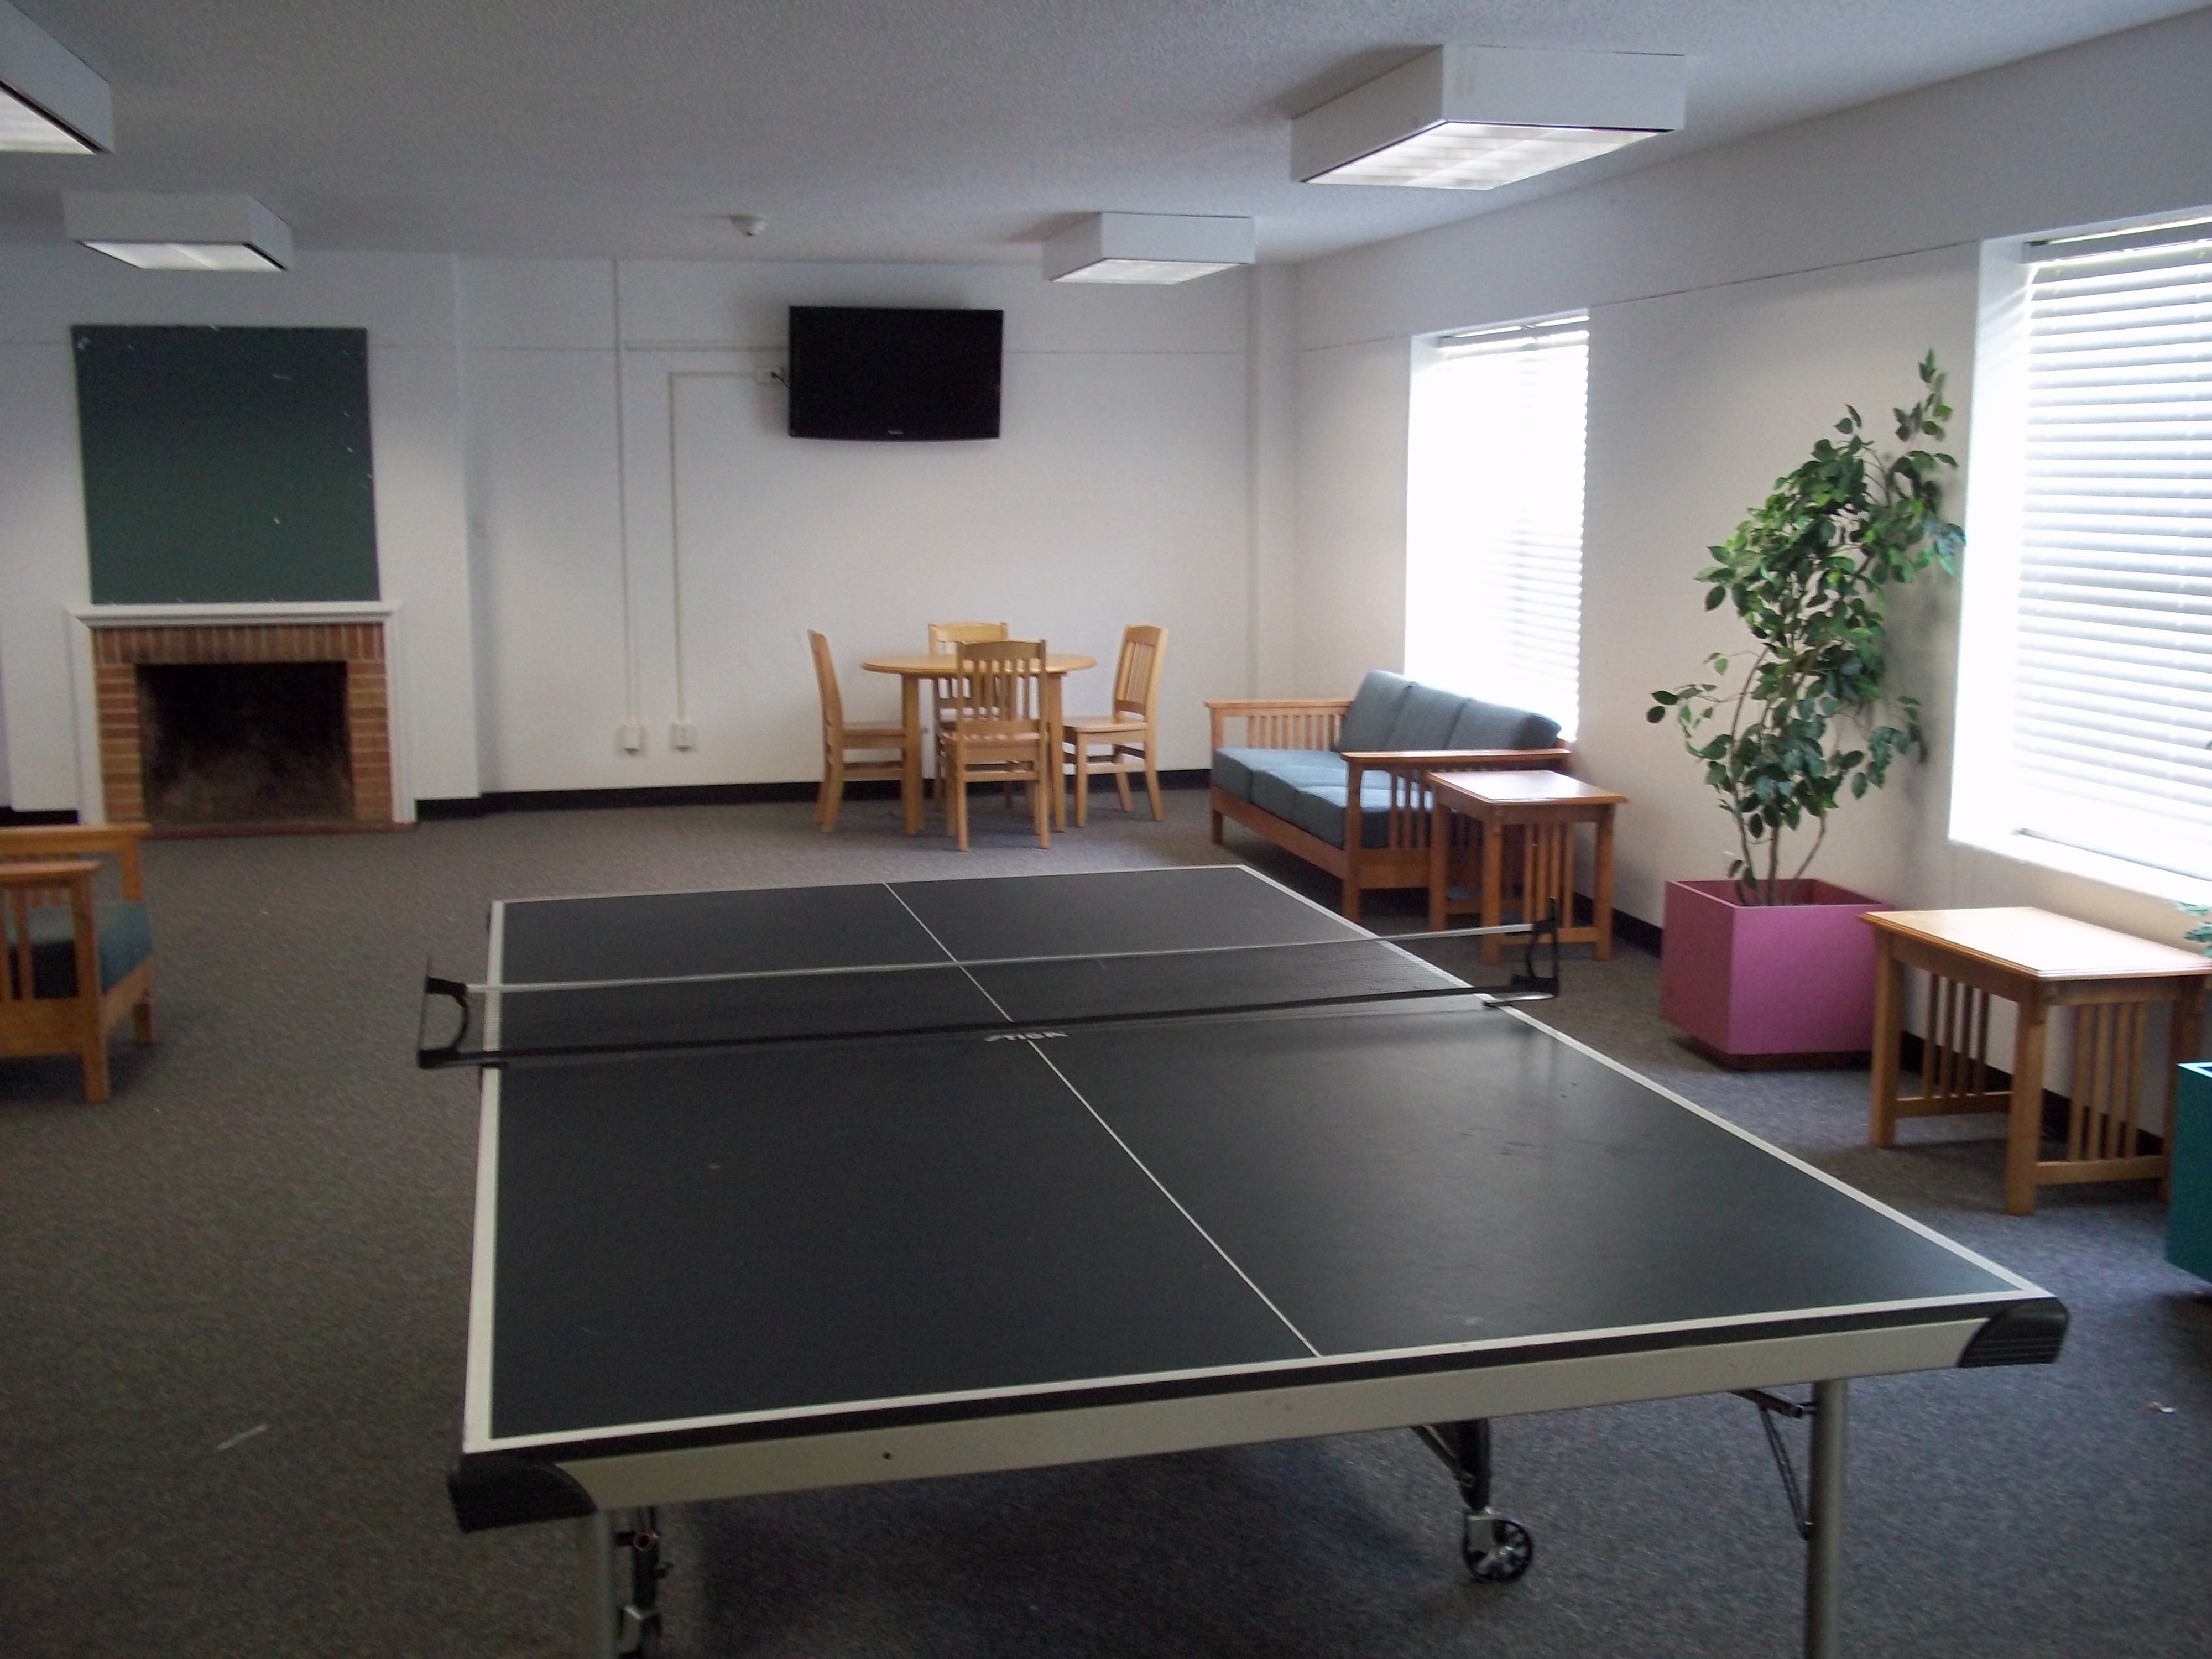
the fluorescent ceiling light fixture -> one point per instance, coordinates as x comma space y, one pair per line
1473, 117
1147, 247
179, 232
50, 103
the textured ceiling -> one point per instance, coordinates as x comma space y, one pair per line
907, 130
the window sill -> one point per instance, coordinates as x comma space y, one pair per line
2170, 885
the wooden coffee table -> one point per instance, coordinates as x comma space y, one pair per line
1545, 807
2037, 962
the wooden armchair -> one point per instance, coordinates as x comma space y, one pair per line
1316, 724
75, 963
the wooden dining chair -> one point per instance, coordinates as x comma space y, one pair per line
998, 731
946, 640
1127, 739
840, 743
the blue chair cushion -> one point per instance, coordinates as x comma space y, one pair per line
1425, 718
126, 938
1275, 785
1492, 725
1233, 771
1374, 711
1318, 809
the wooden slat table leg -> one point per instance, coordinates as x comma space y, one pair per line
2024, 1133
1888, 1012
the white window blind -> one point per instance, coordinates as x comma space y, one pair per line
1493, 576
2112, 657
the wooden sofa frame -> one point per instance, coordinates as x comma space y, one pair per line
1315, 723
55, 865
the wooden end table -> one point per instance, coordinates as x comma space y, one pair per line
1545, 807
2037, 962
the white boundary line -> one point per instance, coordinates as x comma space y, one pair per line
1750, 1324
965, 972
476, 1394
1198, 1226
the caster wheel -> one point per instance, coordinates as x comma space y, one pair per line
1497, 1548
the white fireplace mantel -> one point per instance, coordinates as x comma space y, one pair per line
186, 615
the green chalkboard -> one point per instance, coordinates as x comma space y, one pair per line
226, 464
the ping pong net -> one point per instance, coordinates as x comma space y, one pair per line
945, 997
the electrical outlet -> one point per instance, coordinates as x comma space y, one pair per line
632, 737
681, 734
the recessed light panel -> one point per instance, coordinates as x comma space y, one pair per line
50, 103
1475, 155
1139, 270
187, 256
1147, 247
1473, 117
23, 128
179, 232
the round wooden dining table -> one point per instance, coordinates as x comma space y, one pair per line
914, 670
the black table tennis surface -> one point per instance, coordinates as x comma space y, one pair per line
1051, 1201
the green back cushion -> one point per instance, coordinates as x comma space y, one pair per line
1492, 725
1374, 711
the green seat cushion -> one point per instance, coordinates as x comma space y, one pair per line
1318, 809
126, 938
1276, 783
1234, 769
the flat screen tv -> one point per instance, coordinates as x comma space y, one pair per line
891, 375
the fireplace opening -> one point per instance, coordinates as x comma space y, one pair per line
245, 743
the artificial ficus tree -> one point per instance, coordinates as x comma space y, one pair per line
1785, 728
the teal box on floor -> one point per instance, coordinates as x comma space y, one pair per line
2189, 1136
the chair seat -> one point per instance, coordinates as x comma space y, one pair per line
125, 940
1102, 725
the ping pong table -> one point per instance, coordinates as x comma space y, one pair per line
793, 1189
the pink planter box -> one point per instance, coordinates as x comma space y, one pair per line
1757, 983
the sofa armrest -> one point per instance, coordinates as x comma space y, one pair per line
48, 841
1280, 722
1455, 760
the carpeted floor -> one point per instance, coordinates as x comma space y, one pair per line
234, 1299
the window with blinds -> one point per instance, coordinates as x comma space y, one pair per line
1494, 528
2111, 657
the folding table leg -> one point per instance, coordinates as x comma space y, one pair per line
1823, 1551
595, 1587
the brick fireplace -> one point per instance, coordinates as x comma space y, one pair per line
124, 639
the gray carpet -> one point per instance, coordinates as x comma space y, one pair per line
233, 1303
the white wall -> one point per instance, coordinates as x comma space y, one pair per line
406, 304
685, 522
1740, 298
568, 560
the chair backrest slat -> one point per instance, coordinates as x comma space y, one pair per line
998, 683
1137, 676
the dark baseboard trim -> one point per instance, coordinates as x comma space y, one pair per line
10, 816
1633, 930
696, 794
